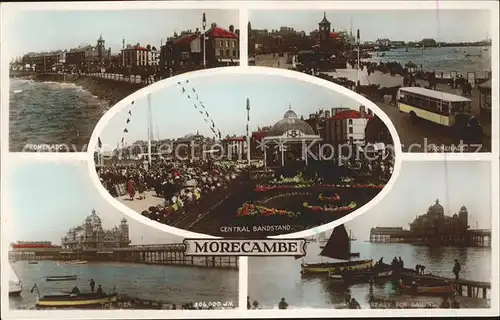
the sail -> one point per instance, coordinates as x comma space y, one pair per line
13, 276
338, 246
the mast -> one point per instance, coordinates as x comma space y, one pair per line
150, 122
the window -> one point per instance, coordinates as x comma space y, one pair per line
233, 43
221, 52
350, 130
220, 43
234, 53
227, 52
350, 121
227, 43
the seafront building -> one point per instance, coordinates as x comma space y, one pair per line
180, 50
90, 235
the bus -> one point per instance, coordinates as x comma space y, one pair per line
445, 109
439, 107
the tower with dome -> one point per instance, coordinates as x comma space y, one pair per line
91, 235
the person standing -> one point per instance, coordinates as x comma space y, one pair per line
131, 188
456, 269
92, 285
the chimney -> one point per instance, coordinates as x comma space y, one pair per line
327, 114
334, 112
231, 28
213, 25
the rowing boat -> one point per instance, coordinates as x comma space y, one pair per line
82, 300
61, 278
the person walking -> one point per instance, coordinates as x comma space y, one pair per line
92, 285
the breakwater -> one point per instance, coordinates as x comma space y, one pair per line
110, 90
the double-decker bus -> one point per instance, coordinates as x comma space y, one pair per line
446, 109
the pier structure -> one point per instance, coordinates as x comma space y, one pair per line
160, 254
471, 238
435, 228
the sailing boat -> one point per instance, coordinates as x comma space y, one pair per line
15, 285
337, 247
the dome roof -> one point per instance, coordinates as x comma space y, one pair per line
290, 121
437, 207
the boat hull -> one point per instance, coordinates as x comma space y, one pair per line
334, 267
68, 278
434, 290
80, 301
365, 275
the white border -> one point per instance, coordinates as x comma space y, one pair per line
242, 71
17, 8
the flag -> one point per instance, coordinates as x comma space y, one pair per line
128, 120
125, 130
201, 112
130, 112
194, 90
99, 143
197, 97
189, 97
123, 139
178, 82
183, 90
195, 106
187, 81
206, 112
297, 257
132, 102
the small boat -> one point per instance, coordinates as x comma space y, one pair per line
15, 285
32, 262
337, 247
61, 278
358, 276
74, 301
73, 262
442, 288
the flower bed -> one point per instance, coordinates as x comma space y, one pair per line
264, 188
352, 205
285, 195
255, 210
335, 197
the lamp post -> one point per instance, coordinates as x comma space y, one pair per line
204, 25
357, 40
248, 131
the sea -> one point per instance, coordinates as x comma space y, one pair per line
273, 278
168, 284
442, 59
64, 113
52, 113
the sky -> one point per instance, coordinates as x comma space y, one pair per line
398, 25
224, 97
48, 198
420, 183
37, 31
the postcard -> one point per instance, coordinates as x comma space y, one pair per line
236, 159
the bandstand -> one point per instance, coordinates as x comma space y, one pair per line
288, 140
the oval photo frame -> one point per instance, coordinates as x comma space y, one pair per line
254, 70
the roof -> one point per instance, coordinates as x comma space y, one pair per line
139, 48
435, 94
259, 134
218, 32
291, 122
186, 39
485, 85
349, 114
334, 35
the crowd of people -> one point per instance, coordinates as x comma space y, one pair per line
181, 184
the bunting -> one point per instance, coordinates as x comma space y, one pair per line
125, 130
191, 94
